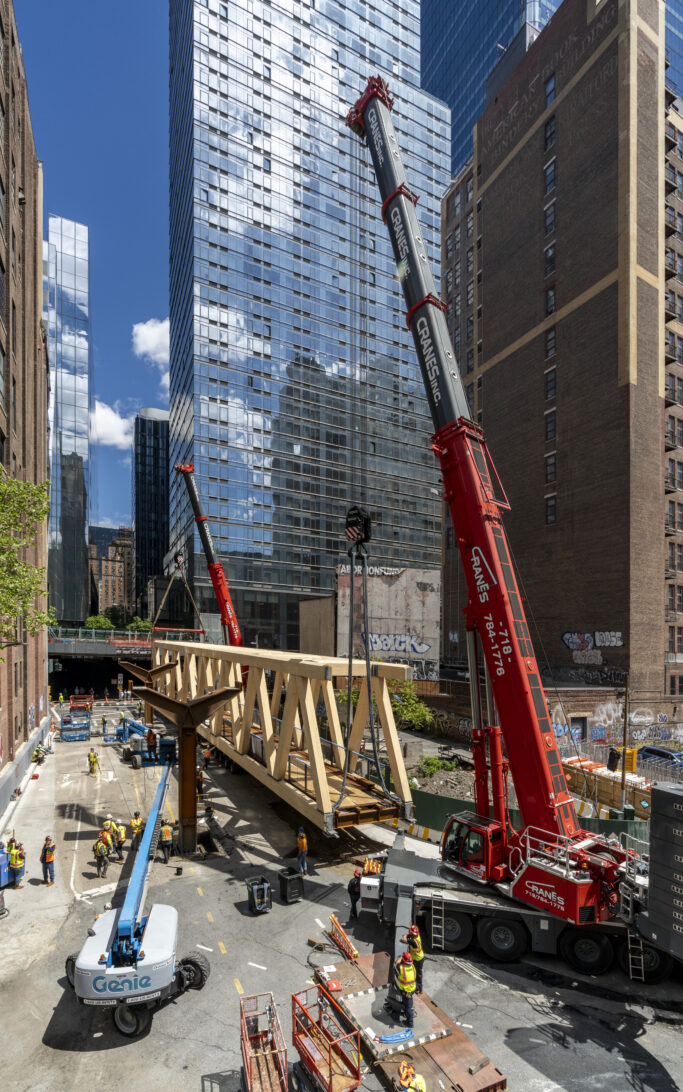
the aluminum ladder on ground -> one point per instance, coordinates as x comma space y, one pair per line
636, 962
437, 921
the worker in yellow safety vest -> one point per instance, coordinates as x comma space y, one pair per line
136, 825
101, 858
414, 941
93, 762
118, 834
16, 863
404, 970
409, 1079
166, 839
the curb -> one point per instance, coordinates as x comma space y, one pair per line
414, 830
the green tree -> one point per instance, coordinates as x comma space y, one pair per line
98, 621
409, 710
140, 625
23, 507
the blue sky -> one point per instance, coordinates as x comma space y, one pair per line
98, 90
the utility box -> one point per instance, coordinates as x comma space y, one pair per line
291, 885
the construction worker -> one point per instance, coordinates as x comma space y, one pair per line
200, 782
151, 738
47, 859
101, 856
166, 839
17, 861
207, 756
61, 700
409, 1079
404, 972
106, 835
93, 764
414, 941
104, 723
138, 708
353, 889
118, 834
136, 825
302, 846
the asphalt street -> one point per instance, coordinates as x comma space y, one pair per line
541, 1026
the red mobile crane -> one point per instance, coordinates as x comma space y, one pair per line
551, 864
229, 624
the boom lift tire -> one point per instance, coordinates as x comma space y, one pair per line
195, 970
587, 952
458, 930
135, 762
132, 1020
502, 940
657, 966
70, 967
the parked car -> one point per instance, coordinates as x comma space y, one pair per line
661, 754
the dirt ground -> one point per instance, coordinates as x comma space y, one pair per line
455, 783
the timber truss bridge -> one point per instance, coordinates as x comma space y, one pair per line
275, 714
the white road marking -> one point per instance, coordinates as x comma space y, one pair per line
258, 966
205, 949
97, 891
319, 923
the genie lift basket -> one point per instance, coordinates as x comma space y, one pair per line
327, 1044
264, 1055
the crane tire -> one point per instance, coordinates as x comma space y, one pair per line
70, 967
657, 966
458, 930
586, 951
136, 762
195, 970
502, 939
132, 1020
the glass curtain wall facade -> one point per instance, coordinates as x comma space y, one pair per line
66, 311
150, 499
294, 385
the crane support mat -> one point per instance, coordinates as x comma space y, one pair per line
439, 1049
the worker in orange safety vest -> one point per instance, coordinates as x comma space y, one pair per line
409, 1079
166, 839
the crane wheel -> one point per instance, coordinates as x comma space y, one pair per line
586, 951
502, 940
195, 970
458, 931
657, 966
70, 967
132, 1020
136, 762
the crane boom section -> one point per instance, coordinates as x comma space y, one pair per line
495, 608
231, 631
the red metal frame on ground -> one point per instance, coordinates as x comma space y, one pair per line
264, 1055
329, 1052
81, 701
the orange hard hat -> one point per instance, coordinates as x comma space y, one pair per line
406, 1072
358, 872
407, 958
414, 930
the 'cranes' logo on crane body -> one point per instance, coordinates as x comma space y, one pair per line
483, 576
429, 357
545, 893
376, 135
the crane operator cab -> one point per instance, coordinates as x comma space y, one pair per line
474, 845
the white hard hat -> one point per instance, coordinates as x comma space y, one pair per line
110, 816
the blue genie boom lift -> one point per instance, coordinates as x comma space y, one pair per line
129, 961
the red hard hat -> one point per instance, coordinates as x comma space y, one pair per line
407, 958
358, 872
414, 930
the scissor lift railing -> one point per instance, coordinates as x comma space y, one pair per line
264, 1055
329, 1052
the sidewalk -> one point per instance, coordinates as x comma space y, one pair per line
36, 912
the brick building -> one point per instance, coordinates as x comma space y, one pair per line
554, 280
23, 384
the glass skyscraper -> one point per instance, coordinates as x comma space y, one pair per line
150, 499
463, 41
294, 385
66, 311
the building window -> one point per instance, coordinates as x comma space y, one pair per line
550, 301
679, 557
470, 188
456, 303
470, 224
549, 133
470, 360
14, 254
470, 260
456, 341
469, 392
671, 596
550, 90
470, 293
549, 218
672, 685
449, 246
551, 510
456, 239
456, 203
679, 517
549, 259
550, 383
679, 638
550, 342
14, 404
550, 468
672, 639
449, 281
549, 176
550, 425
679, 600
456, 272
470, 328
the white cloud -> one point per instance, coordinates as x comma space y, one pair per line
165, 382
151, 341
111, 428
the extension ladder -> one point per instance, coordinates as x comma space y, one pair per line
341, 939
636, 961
437, 921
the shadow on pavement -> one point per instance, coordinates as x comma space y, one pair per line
76, 1027
228, 1081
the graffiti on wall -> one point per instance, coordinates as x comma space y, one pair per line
397, 642
585, 647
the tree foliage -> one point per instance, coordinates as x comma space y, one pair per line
409, 710
23, 507
140, 625
98, 621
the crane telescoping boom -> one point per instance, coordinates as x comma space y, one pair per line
551, 863
231, 631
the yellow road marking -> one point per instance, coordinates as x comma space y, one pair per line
200, 892
238, 985
192, 871
209, 915
222, 947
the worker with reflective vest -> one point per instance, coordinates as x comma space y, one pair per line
118, 834
17, 861
302, 847
409, 1079
166, 839
92, 762
404, 969
136, 825
106, 837
101, 856
47, 859
414, 941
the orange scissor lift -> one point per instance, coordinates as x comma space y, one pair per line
330, 1055
264, 1055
